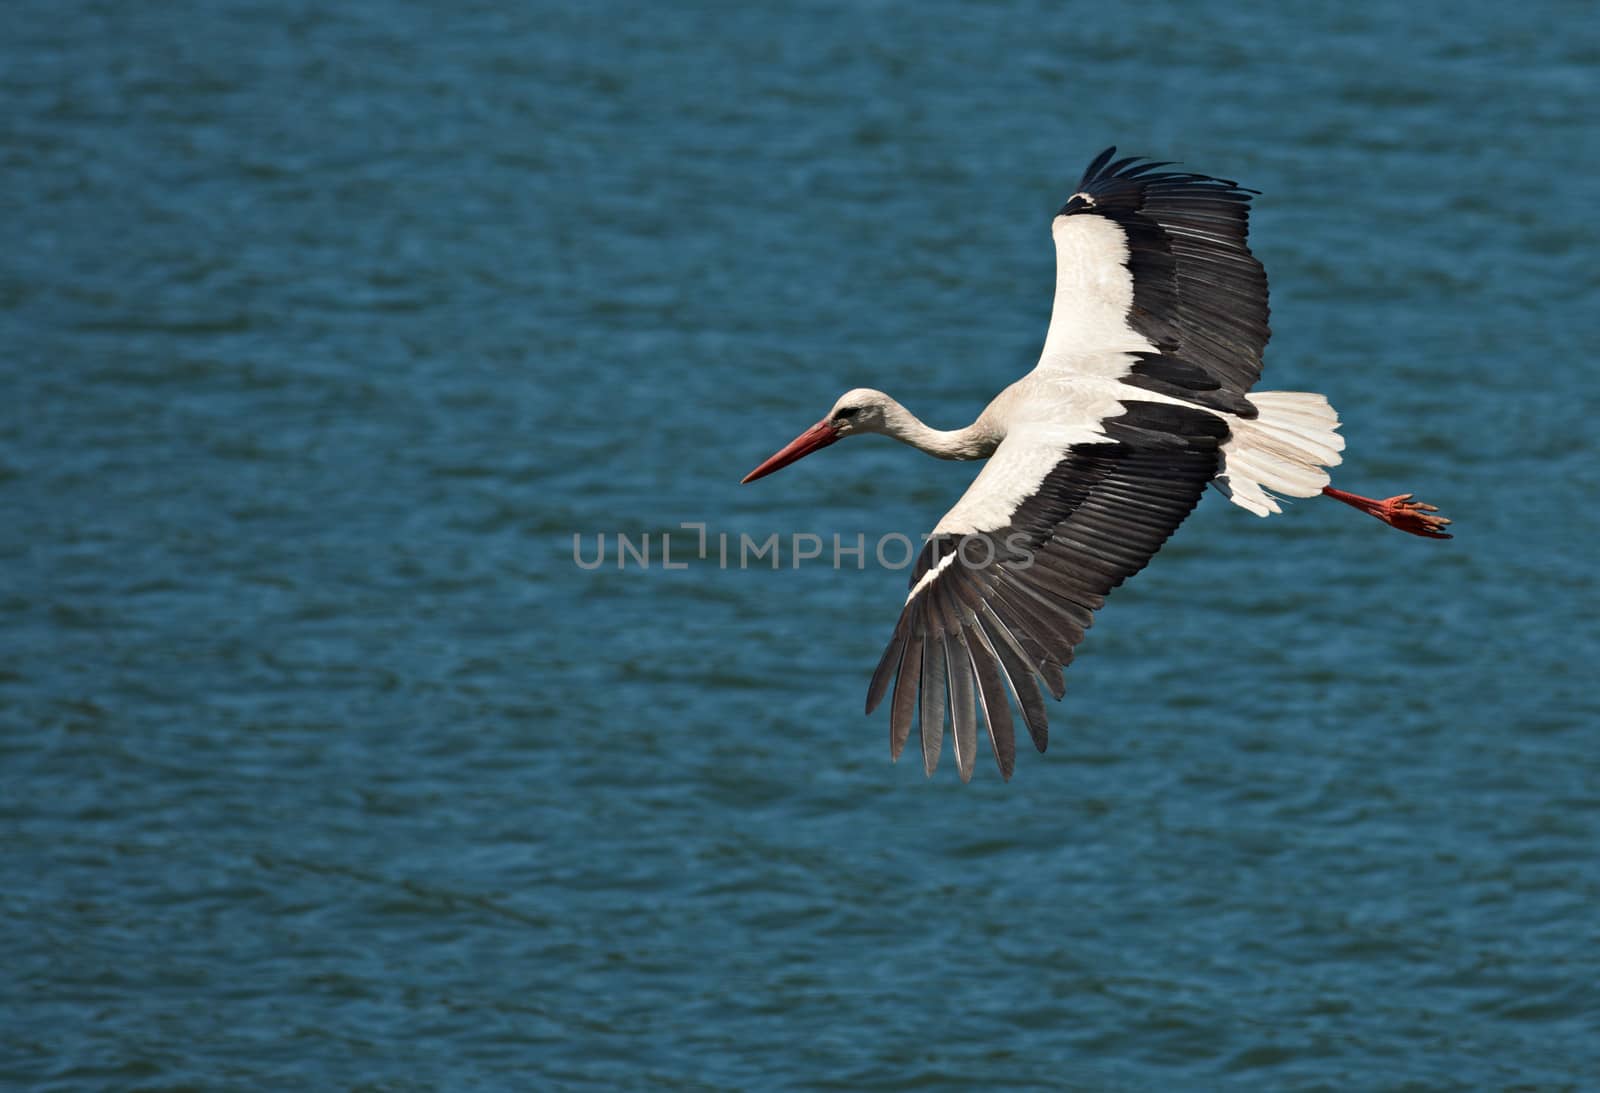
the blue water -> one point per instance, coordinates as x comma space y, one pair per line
326, 327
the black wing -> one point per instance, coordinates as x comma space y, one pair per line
1008, 604
1199, 295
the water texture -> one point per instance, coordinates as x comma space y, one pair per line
326, 327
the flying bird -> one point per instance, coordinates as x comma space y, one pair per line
1140, 400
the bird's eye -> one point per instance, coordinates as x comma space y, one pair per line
848, 412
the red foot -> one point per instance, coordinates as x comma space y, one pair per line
1398, 512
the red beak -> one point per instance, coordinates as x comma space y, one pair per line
818, 436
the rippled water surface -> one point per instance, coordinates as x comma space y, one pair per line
326, 327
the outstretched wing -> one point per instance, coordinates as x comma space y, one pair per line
1157, 296
1156, 263
1011, 578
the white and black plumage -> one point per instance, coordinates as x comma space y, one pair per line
1141, 399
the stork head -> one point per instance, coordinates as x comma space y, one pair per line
860, 411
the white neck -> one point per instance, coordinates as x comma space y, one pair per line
976, 441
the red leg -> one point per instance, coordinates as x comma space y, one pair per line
1398, 512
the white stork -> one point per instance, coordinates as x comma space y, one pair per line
1140, 399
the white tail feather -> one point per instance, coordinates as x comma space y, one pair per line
1283, 450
